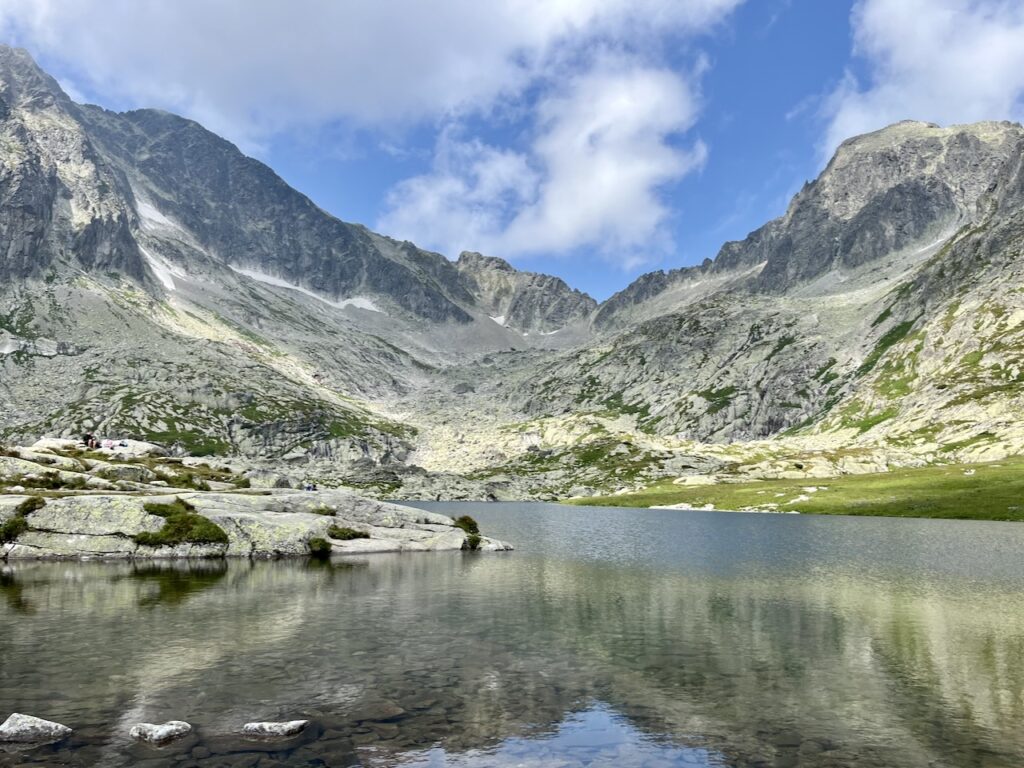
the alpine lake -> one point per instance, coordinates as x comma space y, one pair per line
611, 637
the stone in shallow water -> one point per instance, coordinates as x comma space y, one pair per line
160, 734
274, 730
379, 711
25, 728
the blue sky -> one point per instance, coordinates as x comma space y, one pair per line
592, 139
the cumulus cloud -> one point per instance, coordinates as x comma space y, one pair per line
254, 68
603, 146
944, 61
580, 85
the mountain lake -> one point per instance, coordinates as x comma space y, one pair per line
611, 637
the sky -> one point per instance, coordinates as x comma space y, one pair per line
590, 139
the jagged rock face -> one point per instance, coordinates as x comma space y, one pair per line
885, 302
245, 215
56, 193
525, 301
881, 193
122, 310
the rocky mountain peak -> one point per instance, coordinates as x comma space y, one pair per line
471, 261
24, 84
526, 301
898, 190
963, 158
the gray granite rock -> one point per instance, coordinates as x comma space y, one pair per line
277, 524
29, 729
274, 730
162, 733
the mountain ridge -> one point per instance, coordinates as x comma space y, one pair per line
157, 283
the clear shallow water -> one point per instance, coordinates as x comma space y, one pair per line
610, 638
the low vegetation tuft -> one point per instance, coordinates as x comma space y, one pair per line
319, 548
30, 505
469, 525
12, 529
346, 534
181, 525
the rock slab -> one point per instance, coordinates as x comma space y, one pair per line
160, 734
28, 729
270, 730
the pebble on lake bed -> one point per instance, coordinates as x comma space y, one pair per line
274, 730
28, 729
160, 734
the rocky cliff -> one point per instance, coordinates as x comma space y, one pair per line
526, 301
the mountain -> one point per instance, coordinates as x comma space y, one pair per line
880, 316
527, 301
157, 283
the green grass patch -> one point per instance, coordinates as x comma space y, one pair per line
469, 525
181, 524
319, 548
865, 423
893, 336
981, 437
342, 533
882, 317
991, 491
616, 405
30, 505
784, 342
194, 442
818, 374
718, 399
12, 529
51, 481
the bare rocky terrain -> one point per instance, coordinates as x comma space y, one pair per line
130, 501
158, 285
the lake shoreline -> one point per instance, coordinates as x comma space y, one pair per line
991, 491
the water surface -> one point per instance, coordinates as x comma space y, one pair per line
609, 638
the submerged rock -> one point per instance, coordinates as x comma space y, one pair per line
28, 729
272, 730
160, 734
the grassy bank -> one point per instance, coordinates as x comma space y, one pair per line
992, 491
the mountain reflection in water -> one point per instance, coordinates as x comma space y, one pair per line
610, 637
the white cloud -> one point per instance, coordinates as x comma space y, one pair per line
586, 77
603, 145
464, 200
943, 61
250, 69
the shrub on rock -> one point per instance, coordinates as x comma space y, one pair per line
181, 525
318, 547
346, 534
12, 529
